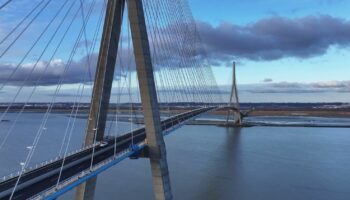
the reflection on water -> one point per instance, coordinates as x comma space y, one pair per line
208, 162
250, 163
222, 175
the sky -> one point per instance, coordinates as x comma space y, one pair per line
288, 51
285, 50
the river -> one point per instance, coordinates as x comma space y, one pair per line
208, 162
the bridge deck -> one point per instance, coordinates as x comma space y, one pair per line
45, 177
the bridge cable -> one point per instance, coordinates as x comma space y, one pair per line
32, 150
21, 22
5, 4
28, 76
46, 117
95, 135
87, 71
25, 28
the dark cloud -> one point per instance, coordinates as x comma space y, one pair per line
47, 73
275, 38
50, 73
267, 39
267, 80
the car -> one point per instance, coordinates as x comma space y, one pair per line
103, 144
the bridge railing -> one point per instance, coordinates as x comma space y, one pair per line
168, 125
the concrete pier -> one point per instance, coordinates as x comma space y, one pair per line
102, 86
144, 68
102, 91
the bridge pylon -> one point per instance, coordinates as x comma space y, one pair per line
102, 91
233, 104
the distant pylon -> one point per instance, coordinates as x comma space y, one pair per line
233, 103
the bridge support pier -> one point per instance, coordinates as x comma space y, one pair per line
154, 135
102, 91
102, 86
237, 117
86, 190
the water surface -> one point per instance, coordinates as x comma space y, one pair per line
208, 162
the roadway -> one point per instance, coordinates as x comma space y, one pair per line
40, 179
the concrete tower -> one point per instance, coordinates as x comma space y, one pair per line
102, 91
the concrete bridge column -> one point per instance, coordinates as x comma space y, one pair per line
236, 117
102, 86
144, 68
233, 105
102, 91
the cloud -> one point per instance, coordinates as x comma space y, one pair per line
47, 73
267, 80
295, 87
275, 38
332, 84
267, 39
28, 76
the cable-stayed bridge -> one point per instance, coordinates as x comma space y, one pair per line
77, 165
146, 52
